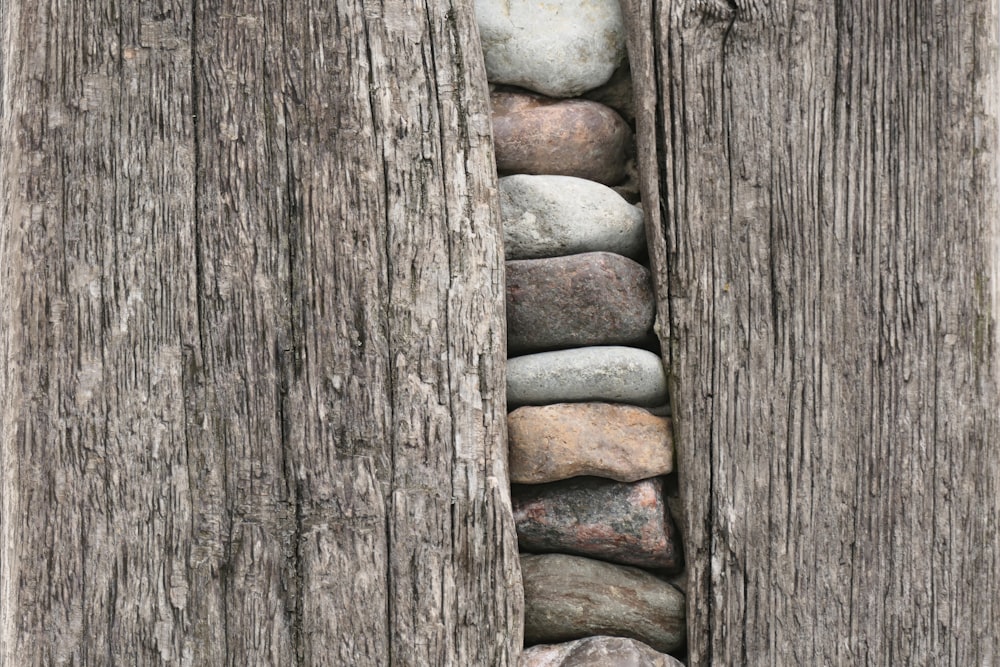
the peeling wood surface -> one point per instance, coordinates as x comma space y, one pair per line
827, 269
252, 403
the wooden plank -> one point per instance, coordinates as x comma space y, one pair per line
97, 188
251, 315
826, 271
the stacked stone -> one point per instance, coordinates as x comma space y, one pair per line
588, 443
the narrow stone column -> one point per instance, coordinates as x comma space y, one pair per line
591, 454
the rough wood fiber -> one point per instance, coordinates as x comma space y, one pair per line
252, 324
825, 257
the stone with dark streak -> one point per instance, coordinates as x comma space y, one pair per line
569, 597
595, 298
597, 652
599, 518
539, 135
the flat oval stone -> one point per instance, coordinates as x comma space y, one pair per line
561, 48
551, 216
606, 373
621, 442
596, 298
597, 652
599, 518
540, 135
569, 597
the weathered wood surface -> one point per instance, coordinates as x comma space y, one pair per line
252, 324
828, 280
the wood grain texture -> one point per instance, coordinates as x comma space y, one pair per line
251, 313
826, 265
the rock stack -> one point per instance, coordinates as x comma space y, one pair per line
589, 445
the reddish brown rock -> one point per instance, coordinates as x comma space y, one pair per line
595, 298
599, 518
568, 597
597, 652
539, 135
553, 442
617, 93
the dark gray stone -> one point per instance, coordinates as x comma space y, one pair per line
599, 518
568, 597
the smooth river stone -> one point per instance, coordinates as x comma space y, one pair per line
621, 442
569, 597
560, 48
597, 652
599, 518
550, 216
606, 373
596, 298
540, 135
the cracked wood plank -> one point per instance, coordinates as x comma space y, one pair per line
827, 270
252, 323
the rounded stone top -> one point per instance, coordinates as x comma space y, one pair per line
561, 48
548, 216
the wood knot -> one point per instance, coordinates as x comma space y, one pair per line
732, 10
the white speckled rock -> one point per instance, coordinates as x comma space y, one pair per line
597, 652
605, 373
561, 48
549, 216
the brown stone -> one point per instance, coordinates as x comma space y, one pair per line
595, 298
598, 518
597, 652
617, 93
568, 597
622, 442
540, 135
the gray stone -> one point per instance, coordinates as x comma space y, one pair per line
595, 298
606, 373
568, 597
560, 48
597, 652
549, 216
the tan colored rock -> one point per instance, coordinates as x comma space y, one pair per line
621, 442
540, 135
